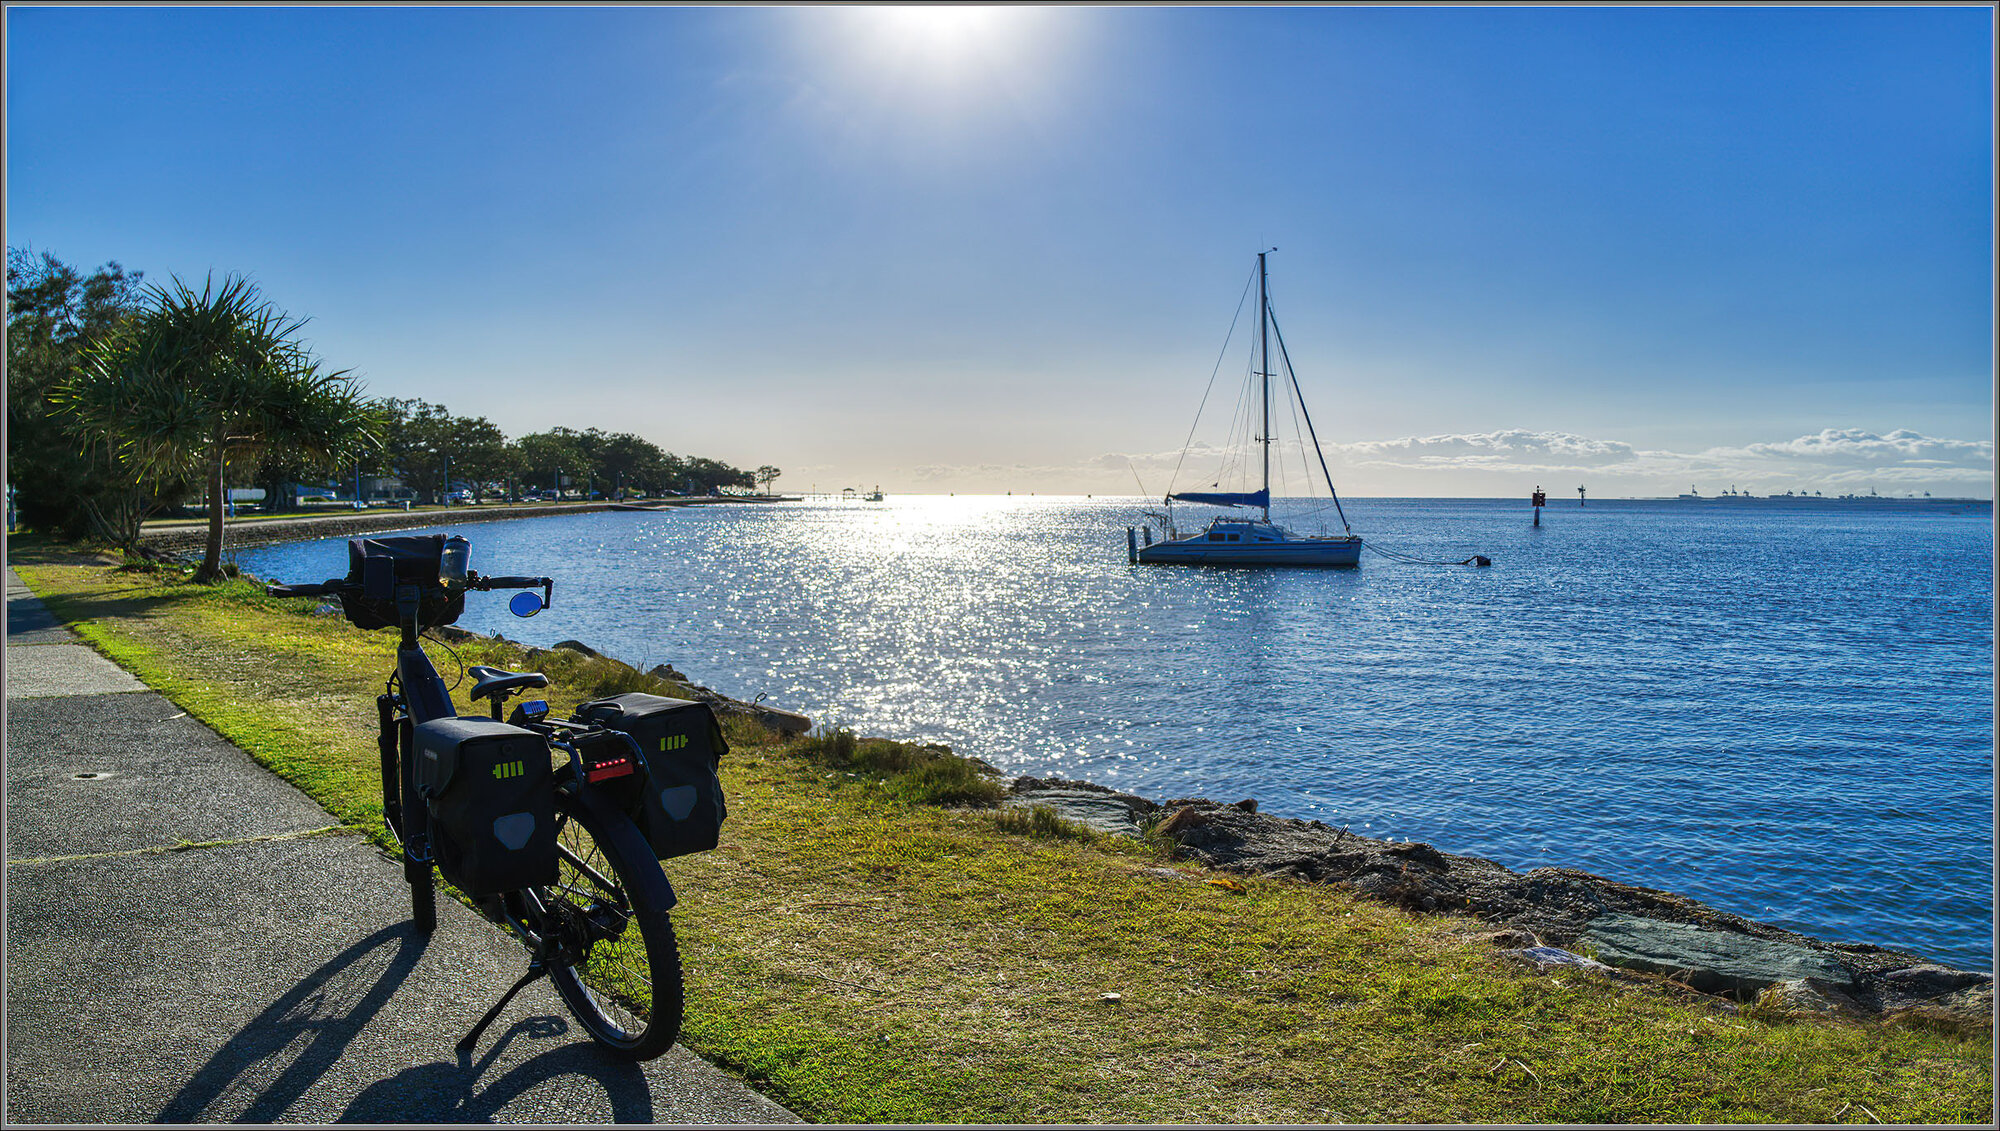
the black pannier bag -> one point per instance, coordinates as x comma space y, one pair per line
487, 787
376, 566
679, 808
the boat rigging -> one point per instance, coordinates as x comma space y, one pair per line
1233, 541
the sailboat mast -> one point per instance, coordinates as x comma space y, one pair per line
1264, 353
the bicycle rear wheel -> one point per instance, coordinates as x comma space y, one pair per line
611, 899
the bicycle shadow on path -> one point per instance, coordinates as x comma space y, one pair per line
275, 1060
452, 1093
328, 1009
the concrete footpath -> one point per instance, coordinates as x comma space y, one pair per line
188, 939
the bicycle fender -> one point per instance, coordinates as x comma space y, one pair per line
630, 842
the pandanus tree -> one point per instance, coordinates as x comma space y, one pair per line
203, 379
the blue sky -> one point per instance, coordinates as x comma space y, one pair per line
1000, 249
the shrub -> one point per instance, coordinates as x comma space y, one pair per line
914, 772
946, 780
601, 677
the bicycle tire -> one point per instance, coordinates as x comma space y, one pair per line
627, 989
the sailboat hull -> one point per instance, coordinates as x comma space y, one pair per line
1335, 553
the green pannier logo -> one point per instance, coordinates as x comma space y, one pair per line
673, 742
509, 769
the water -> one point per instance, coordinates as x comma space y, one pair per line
1783, 712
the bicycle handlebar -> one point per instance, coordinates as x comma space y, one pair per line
547, 586
320, 590
476, 582
336, 585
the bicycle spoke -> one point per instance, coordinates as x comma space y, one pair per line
608, 886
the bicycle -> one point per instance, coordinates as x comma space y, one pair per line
571, 866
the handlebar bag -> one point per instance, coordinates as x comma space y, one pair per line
489, 790
377, 566
680, 808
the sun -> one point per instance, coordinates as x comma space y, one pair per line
941, 37
938, 29
935, 70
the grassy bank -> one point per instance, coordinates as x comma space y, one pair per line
865, 956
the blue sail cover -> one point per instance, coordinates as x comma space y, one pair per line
1226, 499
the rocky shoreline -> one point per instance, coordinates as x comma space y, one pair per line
1551, 917
1556, 919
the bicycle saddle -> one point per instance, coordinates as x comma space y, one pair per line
496, 683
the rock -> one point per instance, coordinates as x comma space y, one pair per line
1248, 805
1937, 996
327, 610
577, 646
1139, 806
1714, 962
1969, 1010
1929, 980
1509, 939
1417, 853
771, 718
784, 722
666, 671
1813, 997
1103, 812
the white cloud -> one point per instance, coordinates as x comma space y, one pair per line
1511, 461
1901, 447
1514, 448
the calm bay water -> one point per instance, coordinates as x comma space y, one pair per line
1784, 712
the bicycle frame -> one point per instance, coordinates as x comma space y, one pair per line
423, 697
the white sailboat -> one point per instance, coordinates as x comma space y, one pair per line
1231, 541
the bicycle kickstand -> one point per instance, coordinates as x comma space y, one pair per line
536, 969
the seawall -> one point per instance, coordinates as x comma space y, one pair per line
191, 537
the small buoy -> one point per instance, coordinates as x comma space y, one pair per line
1481, 561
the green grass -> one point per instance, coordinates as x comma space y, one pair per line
1043, 822
864, 954
912, 772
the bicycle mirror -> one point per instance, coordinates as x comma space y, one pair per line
525, 604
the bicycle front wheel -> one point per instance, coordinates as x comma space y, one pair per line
625, 981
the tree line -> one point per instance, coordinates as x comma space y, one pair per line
430, 450
126, 399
